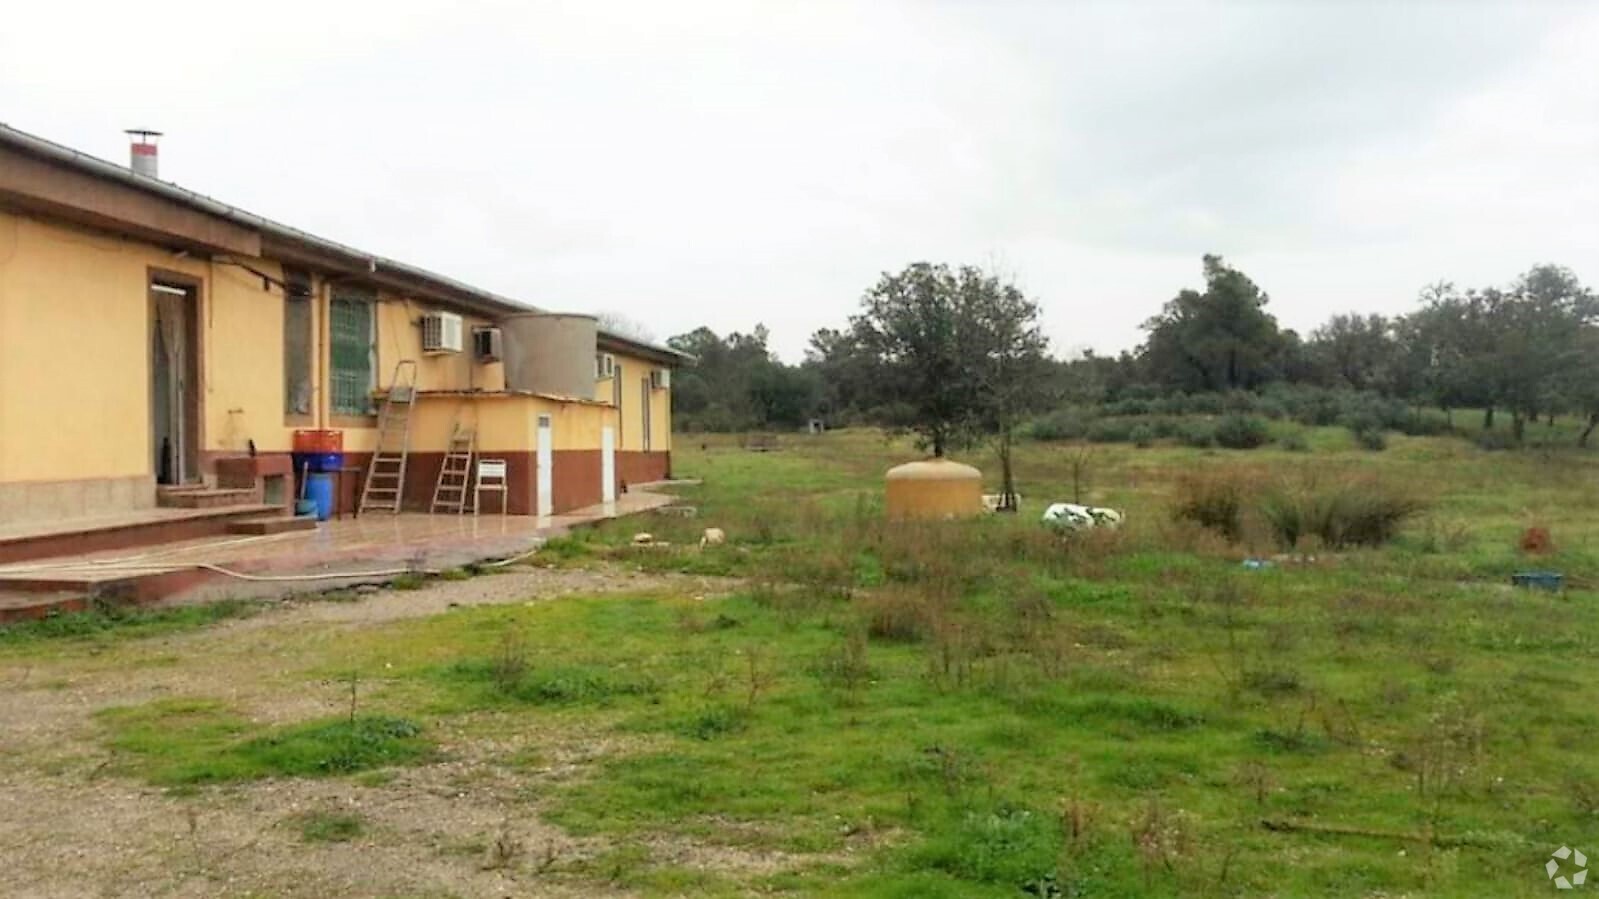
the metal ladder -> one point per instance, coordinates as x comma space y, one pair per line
455, 475
385, 478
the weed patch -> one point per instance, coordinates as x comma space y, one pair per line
329, 827
116, 621
176, 742
509, 678
1012, 847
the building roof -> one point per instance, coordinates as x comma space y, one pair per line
425, 283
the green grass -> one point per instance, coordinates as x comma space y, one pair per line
109, 622
190, 742
1141, 684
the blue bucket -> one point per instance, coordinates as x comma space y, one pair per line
319, 490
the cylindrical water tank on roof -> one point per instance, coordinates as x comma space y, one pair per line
550, 352
934, 488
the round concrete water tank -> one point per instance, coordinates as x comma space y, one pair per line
549, 352
934, 488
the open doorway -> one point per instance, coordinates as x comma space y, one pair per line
174, 379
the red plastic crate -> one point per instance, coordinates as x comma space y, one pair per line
318, 441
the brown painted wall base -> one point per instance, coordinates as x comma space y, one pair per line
642, 468
575, 479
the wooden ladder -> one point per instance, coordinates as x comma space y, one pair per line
455, 475
385, 478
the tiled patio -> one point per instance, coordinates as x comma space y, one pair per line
341, 552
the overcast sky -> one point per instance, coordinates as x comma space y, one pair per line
686, 163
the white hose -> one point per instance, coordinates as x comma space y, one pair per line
514, 559
209, 566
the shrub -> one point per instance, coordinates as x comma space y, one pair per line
1239, 401
1111, 430
1294, 442
1241, 432
1372, 439
1198, 434
898, 615
1142, 436
1130, 406
1214, 502
1343, 514
1494, 441
1063, 424
1166, 427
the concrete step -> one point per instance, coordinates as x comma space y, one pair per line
203, 498
271, 524
29, 605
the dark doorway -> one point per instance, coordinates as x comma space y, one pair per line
174, 380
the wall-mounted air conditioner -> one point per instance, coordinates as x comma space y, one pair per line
487, 345
661, 378
441, 332
604, 366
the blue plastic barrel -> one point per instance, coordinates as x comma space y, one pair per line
319, 490
318, 461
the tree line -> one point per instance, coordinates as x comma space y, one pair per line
957, 354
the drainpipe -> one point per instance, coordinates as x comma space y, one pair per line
319, 390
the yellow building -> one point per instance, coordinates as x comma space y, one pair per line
150, 335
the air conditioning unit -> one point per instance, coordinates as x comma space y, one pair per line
604, 366
486, 344
441, 332
661, 378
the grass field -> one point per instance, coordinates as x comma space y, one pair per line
1124, 713
988, 708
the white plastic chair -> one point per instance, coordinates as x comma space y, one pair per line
491, 477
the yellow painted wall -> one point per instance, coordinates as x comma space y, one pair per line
242, 330
399, 336
74, 363
632, 370
506, 422
74, 351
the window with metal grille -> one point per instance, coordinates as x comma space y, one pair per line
296, 342
352, 368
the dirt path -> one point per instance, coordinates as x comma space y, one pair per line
467, 826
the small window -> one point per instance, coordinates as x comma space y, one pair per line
352, 350
297, 307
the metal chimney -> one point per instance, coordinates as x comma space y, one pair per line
142, 152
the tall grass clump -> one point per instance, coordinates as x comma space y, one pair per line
1341, 514
1214, 501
